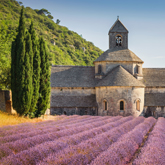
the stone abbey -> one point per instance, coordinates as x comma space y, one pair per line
117, 84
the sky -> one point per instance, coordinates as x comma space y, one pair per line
144, 19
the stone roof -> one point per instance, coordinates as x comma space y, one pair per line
118, 54
120, 77
154, 77
74, 101
118, 27
72, 76
154, 99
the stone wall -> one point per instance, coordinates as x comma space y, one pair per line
6, 102
112, 40
158, 107
113, 96
154, 90
73, 111
72, 91
2, 101
108, 66
73, 101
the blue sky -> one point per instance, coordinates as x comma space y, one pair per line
144, 19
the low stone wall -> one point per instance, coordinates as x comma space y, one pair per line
6, 102
73, 111
2, 101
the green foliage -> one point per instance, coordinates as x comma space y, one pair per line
5, 58
57, 21
43, 11
22, 69
44, 80
26, 88
18, 56
36, 69
68, 48
50, 16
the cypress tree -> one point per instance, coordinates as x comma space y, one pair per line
17, 59
36, 69
13, 74
44, 80
22, 69
26, 79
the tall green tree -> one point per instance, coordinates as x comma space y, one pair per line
36, 68
44, 80
17, 61
26, 88
22, 69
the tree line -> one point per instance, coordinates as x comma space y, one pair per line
30, 73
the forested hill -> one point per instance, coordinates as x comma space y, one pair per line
65, 46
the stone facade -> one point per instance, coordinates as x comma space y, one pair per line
113, 96
116, 85
73, 100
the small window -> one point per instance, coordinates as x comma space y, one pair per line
121, 105
64, 112
105, 105
118, 40
99, 69
138, 105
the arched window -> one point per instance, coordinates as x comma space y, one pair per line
105, 105
99, 69
118, 40
138, 105
64, 112
121, 105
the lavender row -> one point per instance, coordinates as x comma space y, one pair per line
34, 154
122, 151
24, 144
153, 151
43, 130
85, 152
29, 126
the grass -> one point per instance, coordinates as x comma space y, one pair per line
7, 119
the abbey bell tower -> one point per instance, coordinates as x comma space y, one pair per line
118, 36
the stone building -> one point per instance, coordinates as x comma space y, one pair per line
117, 84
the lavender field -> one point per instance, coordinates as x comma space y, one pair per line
83, 140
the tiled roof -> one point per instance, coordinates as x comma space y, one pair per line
118, 54
120, 77
154, 99
73, 76
154, 77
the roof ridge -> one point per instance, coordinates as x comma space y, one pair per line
72, 66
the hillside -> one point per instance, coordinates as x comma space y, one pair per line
65, 46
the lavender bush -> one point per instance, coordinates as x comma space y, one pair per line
122, 151
83, 140
24, 144
153, 151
